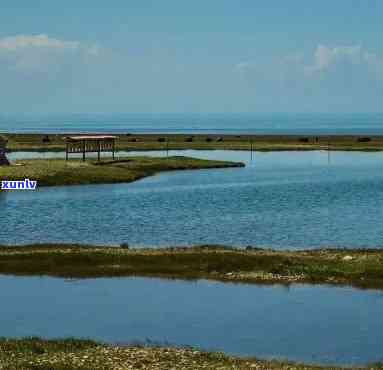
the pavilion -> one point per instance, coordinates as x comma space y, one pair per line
90, 144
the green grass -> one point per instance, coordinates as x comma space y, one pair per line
360, 268
34, 142
72, 354
49, 172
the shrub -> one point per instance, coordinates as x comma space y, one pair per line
124, 245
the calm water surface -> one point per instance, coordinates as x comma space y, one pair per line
224, 123
304, 323
280, 199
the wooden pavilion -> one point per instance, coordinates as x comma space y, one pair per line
90, 144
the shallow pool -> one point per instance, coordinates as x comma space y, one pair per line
305, 323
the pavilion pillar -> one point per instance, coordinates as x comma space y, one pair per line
83, 150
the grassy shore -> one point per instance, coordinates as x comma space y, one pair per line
359, 268
42, 142
72, 354
50, 172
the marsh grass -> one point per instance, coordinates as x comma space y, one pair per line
48, 172
364, 269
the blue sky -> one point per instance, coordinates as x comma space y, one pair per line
191, 56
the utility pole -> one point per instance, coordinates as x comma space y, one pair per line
251, 149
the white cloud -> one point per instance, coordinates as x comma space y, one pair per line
37, 68
39, 53
244, 65
335, 59
351, 61
375, 63
328, 78
325, 57
22, 42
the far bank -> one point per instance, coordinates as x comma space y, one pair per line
136, 142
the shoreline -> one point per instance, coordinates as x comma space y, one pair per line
142, 142
336, 267
77, 354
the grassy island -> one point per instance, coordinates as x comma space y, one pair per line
359, 268
48, 172
129, 142
72, 354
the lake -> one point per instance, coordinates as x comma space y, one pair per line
280, 199
198, 123
328, 325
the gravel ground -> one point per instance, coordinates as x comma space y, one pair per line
40, 355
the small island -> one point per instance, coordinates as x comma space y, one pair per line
51, 172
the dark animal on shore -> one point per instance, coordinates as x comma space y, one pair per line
364, 139
46, 139
303, 139
3, 158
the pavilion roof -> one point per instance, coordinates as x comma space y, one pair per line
90, 137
